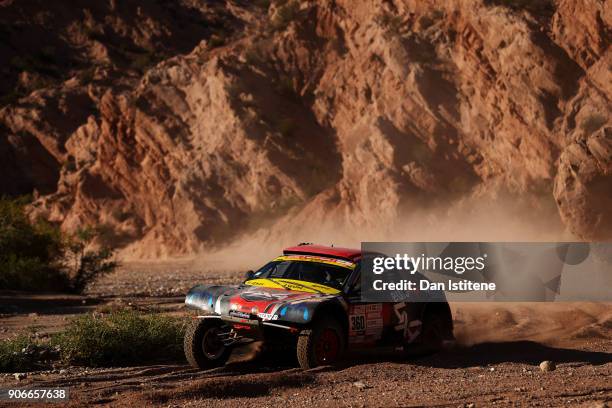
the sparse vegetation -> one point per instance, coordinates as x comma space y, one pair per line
83, 266
593, 122
28, 251
21, 353
37, 256
122, 337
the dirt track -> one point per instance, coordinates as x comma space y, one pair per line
495, 362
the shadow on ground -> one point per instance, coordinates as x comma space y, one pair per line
19, 303
483, 354
524, 352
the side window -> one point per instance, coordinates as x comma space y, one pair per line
354, 285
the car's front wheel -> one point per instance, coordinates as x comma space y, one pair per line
321, 344
203, 346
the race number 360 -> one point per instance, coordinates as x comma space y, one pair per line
357, 323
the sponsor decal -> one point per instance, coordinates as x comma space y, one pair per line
256, 295
358, 309
237, 313
319, 259
374, 323
267, 316
411, 328
293, 285
366, 322
374, 308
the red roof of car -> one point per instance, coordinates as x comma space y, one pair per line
333, 252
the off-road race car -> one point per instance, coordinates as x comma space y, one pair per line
308, 302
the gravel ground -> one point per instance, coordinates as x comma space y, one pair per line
496, 361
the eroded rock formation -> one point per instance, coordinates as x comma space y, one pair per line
355, 111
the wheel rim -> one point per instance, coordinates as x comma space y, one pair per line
327, 347
212, 346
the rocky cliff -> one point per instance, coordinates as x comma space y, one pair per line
182, 126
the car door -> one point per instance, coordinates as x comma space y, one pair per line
379, 323
368, 322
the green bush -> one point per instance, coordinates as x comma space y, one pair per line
28, 251
37, 256
83, 266
14, 356
123, 337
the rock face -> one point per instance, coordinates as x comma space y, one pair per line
355, 112
583, 185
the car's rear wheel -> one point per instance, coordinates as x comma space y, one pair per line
322, 344
435, 333
432, 336
203, 346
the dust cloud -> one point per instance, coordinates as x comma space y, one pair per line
468, 219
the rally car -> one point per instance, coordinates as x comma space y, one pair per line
307, 301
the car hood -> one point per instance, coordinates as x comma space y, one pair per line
265, 303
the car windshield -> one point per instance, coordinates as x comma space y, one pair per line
323, 273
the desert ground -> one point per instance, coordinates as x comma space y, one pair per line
181, 127
495, 362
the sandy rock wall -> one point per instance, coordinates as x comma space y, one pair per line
355, 112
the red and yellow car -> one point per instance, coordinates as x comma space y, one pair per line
307, 301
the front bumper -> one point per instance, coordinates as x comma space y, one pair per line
245, 330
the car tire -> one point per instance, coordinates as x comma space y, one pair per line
436, 332
321, 344
203, 348
432, 336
